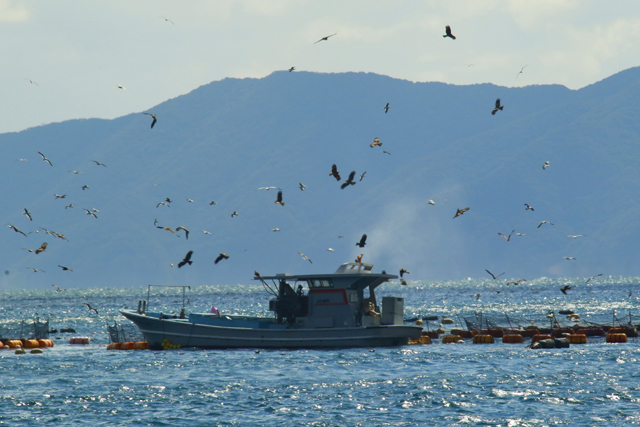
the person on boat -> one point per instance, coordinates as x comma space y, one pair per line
214, 310
369, 309
359, 258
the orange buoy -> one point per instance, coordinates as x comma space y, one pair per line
30, 344
127, 345
79, 340
577, 338
14, 343
468, 334
616, 337
425, 339
140, 345
483, 339
450, 339
512, 339
539, 337
114, 346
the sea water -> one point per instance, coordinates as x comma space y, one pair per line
439, 384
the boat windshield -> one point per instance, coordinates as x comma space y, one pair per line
320, 283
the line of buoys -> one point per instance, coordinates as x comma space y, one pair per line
627, 330
13, 343
79, 340
45, 342
129, 345
30, 344
422, 340
616, 337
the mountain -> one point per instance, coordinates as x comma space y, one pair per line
224, 140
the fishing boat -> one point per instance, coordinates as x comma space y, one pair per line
338, 310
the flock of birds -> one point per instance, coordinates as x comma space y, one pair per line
350, 181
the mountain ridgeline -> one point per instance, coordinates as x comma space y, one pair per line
224, 140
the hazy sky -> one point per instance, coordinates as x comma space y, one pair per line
78, 52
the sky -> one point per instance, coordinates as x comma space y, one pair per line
64, 60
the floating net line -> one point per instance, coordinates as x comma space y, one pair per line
25, 330
480, 320
124, 332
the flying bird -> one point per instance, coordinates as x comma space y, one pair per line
163, 203
235, 213
330, 250
45, 159
98, 163
460, 211
155, 119
386, 108
27, 213
58, 288
527, 207
292, 69
517, 282
213, 202
42, 248
431, 202
575, 236
493, 275
507, 238
363, 241
403, 272
520, 72
403, 282
32, 82
545, 165
69, 206
498, 107
386, 152
221, 257
593, 277
190, 200
14, 228
89, 308
569, 258
186, 260
306, 258
362, 175
88, 212
376, 143
325, 38
186, 232
167, 20
166, 228
279, 199
349, 180
447, 29
334, 172
206, 232
269, 188
65, 268
275, 229
302, 186
565, 289
60, 196
545, 222
477, 297
85, 187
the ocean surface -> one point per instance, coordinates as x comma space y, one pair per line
454, 384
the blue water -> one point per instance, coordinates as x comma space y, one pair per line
457, 384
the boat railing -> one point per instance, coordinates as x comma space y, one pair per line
147, 304
354, 267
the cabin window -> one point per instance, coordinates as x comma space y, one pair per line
320, 283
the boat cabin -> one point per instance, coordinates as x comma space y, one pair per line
344, 299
